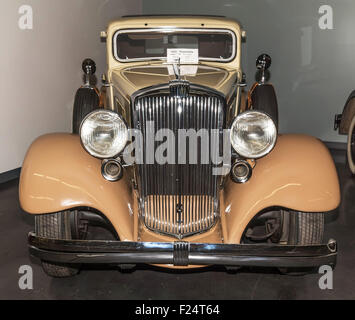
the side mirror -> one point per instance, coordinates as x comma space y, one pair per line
263, 62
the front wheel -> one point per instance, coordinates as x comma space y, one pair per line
57, 226
351, 146
301, 228
304, 228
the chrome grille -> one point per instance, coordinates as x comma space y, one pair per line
197, 213
178, 199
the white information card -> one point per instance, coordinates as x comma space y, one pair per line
186, 56
183, 56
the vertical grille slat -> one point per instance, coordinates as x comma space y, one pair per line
178, 199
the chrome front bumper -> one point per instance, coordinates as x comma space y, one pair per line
182, 253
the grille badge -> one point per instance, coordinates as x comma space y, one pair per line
179, 210
179, 88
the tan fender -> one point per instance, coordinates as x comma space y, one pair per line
298, 174
58, 174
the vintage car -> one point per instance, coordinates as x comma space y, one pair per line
235, 192
345, 123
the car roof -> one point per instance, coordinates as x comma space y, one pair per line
178, 20
175, 15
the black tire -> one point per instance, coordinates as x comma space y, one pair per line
264, 99
86, 100
306, 228
302, 228
350, 152
56, 226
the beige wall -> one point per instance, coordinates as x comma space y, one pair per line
40, 69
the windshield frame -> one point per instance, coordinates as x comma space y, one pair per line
172, 30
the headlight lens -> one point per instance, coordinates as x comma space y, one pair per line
253, 134
103, 134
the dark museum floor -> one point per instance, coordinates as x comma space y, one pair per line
153, 283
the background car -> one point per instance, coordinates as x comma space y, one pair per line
345, 123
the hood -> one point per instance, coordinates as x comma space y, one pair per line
129, 80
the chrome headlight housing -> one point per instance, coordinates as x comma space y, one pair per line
253, 134
103, 134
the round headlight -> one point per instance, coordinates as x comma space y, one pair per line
103, 134
253, 134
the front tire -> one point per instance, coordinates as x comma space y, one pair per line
86, 100
56, 226
306, 228
351, 147
302, 228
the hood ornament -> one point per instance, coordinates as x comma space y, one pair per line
178, 87
177, 70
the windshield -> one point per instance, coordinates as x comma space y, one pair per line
146, 44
